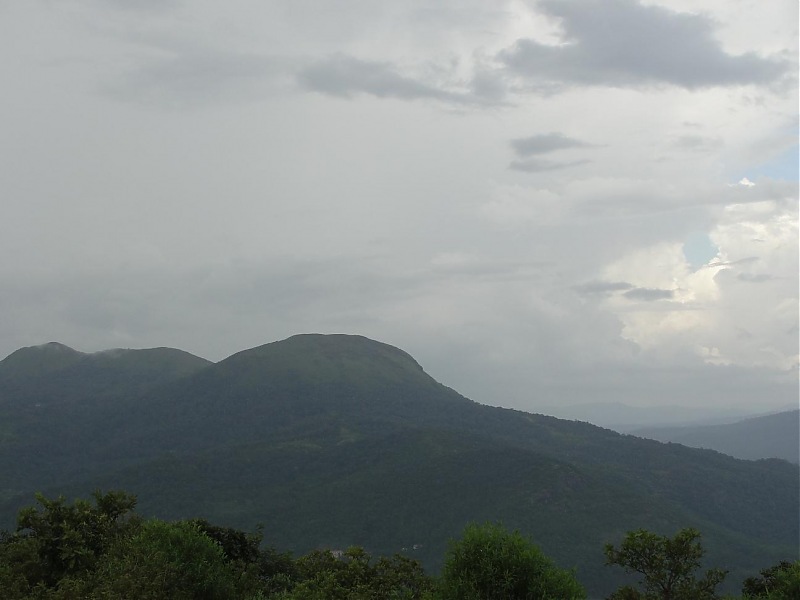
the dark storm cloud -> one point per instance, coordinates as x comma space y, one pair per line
648, 294
538, 165
602, 287
345, 76
543, 143
623, 43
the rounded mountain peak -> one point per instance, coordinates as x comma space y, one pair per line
320, 358
35, 360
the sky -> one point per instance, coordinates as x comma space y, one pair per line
546, 203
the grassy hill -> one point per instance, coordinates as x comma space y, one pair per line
338, 440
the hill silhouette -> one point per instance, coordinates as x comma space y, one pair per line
767, 436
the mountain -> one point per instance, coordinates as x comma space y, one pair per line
38, 361
54, 372
769, 436
339, 440
58, 406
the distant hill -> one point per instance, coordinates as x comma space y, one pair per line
627, 419
56, 372
770, 436
339, 440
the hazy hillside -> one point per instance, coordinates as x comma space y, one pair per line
338, 440
770, 436
628, 419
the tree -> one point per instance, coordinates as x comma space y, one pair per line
238, 546
666, 564
354, 576
59, 540
491, 563
777, 582
168, 560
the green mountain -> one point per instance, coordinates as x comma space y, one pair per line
38, 361
339, 440
53, 372
768, 436
58, 407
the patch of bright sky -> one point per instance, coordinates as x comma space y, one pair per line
784, 166
699, 249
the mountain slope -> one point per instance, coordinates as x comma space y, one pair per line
770, 436
54, 372
626, 418
58, 406
340, 439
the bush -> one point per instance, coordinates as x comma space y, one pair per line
490, 563
667, 566
166, 560
775, 583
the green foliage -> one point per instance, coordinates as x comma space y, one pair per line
64, 551
82, 551
166, 560
238, 546
775, 583
354, 576
490, 563
18, 559
58, 540
103, 551
666, 564
271, 571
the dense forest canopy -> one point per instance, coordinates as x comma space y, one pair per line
103, 549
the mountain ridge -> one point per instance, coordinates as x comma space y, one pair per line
768, 436
325, 435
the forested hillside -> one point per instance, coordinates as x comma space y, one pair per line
339, 440
103, 549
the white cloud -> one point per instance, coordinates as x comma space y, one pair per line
516, 205
742, 312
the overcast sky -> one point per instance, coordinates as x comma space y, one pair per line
546, 202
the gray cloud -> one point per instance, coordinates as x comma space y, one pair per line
543, 143
345, 76
489, 86
194, 76
539, 165
648, 294
603, 287
279, 210
697, 143
141, 5
623, 43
